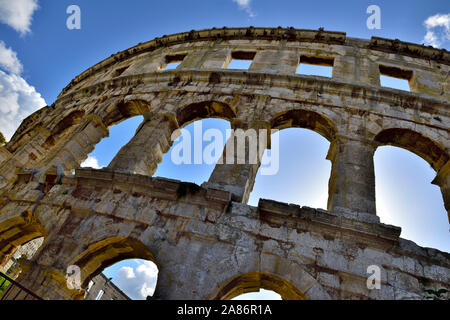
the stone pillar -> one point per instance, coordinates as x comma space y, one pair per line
79, 146
443, 181
146, 149
352, 181
46, 282
193, 60
216, 59
271, 61
352, 66
431, 83
236, 171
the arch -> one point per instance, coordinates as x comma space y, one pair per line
409, 200
202, 110
17, 231
107, 252
415, 142
253, 281
67, 122
124, 110
306, 119
63, 126
189, 171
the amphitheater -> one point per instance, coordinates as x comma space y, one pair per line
206, 241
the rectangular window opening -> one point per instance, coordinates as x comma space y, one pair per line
396, 78
241, 60
173, 61
316, 66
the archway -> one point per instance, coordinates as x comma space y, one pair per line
119, 135
253, 282
406, 198
415, 142
203, 110
262, 294
16, 232
193, 156
302, 177
427, 149
109, 256
136, 278
20, 237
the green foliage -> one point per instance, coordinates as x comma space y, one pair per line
2, 139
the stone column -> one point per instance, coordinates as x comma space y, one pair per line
146, 149
352, 181
216, 59
275, 61
443, 181
236, 170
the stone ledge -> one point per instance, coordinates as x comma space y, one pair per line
163, 187
274, 210
293, 82
434, 255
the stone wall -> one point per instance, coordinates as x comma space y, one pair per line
205, 240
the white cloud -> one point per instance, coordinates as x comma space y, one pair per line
18, 13
91, 162
438, 30
138, 283
17, 101
245, 5
9, 60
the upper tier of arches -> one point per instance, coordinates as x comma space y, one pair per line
354, 60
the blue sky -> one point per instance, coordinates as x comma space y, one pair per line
39, 56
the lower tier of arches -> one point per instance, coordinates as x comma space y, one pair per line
207, 246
